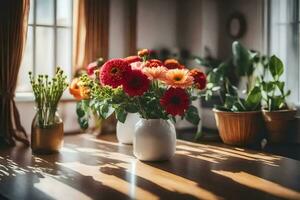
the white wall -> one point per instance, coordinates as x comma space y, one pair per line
253, 12
117, 39
156, 24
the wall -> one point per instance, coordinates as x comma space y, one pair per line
253, 12
117, 39
156, 24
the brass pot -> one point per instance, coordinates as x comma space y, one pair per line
47, 139
239, 128
278, 124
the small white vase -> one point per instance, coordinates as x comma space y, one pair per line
154, 140
125, 131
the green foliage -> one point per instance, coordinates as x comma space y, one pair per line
242, 64
192, 115
273, 92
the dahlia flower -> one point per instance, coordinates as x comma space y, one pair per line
113, 71
178, 78
155, 72
132, 59
136, 83
153, 63
175, 101
78, 91
199, 78
173, 64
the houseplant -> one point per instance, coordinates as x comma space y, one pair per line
157, 91
277, 115
239, 119
47, 127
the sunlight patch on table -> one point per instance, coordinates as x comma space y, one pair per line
261, 184
59, 190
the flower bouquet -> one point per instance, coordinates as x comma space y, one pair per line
155, 90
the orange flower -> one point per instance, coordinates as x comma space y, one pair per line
155, 72
173, 64
143, 53
78, 91
178, 78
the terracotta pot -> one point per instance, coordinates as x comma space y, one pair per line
239, 128
278, 124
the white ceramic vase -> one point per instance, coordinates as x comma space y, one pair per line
154, 140
125, 131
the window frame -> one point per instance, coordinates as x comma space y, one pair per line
26, 95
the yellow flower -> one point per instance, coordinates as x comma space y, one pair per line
178, 78
155, 72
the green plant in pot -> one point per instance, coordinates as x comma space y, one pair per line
239, 118
277, 115
47, 127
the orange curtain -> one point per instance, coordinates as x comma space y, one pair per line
91, 26
13, 29
130, 27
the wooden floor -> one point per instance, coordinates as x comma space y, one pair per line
91, 168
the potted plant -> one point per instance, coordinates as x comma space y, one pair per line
47, 126
277, 115
157, 91
238, 118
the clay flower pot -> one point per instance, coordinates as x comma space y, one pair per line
278, 123
239, 128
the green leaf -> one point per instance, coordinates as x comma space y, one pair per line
241, 59
79, 111
106, 110
280, 85
192, 115
253, 99
268, 86
276, 67
83, 123
131, 108
121, 114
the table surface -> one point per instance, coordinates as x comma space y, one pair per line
99, 168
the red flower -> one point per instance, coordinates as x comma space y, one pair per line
92, 67
132, 59
175, 101
113, 71
153, 63
199, 78
173, 64
136, 83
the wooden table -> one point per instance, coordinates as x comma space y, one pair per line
90, 168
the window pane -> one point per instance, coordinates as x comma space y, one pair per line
63, 51
44, 52
64, 12
23, 84
31, 11
45, 12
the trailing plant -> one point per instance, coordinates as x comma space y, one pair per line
273, 92
47, 93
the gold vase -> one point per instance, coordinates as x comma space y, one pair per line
47, 138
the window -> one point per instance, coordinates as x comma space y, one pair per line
284, 41
49, 40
